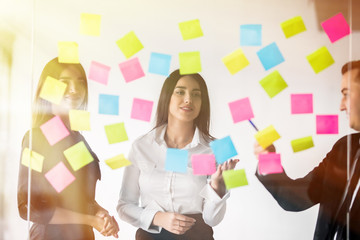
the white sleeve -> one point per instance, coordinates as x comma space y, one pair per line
214, 207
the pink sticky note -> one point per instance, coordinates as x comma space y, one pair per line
54, 130
336, 27
203, 164
141, 109
99, 72
301, 103
270, 163
59, 177
327, 124
241, 110
131, 69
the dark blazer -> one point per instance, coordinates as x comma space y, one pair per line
324, 185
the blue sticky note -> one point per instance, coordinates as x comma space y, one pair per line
176, 160
250, 35
270, 56
159, 63
223, 149
108, 104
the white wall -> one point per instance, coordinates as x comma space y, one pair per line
251, 211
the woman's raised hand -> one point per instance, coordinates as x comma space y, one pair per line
217, 180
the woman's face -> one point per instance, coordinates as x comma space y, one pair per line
185, 102
75, 93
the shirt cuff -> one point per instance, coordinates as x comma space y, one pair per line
147, 217
209, 194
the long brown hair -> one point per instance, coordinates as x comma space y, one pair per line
42, 108
202, 122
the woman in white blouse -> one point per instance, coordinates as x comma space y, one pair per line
171, 205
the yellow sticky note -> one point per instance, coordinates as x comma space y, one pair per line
273, 84
235, 61
267, 136
68, 52
235, 178
117, 162
189, 62
129, 44
36, 159
293, 26
79, 120
320, 59
190, 29
78, 155
301, 144
53, 90
90, 24
116, 133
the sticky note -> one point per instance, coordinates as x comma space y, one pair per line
131, 69
59, 177
117, 162
99, 72
54, 130
108, 104
79, 120
250, 35
320, 59
270, 163
301, 144
189, 62
116, 133
36, 159
270, 56
68, 52
129, 44
273, 84
235, 178
141, 109
176, 160
203, 164
78, 155
336, 27
53, 90
90, 24
235, 61
159, 63
267, 136
327, 124
241, 110
190, 29
223, 149
301, 103
293, 26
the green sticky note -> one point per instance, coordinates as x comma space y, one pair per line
190, 29
235, 178
301, 144
36, 159
293, 26
189, 62
90, 24
129, 44
117, 162
79, 120
53, 90
78, 156
68, 52
235, 61
273, 84
320, 59
267, 136
116, 133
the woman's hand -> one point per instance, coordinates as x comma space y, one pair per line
217, 180
106, 224
173, 222
260, 150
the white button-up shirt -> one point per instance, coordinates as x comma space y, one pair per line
160, 190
